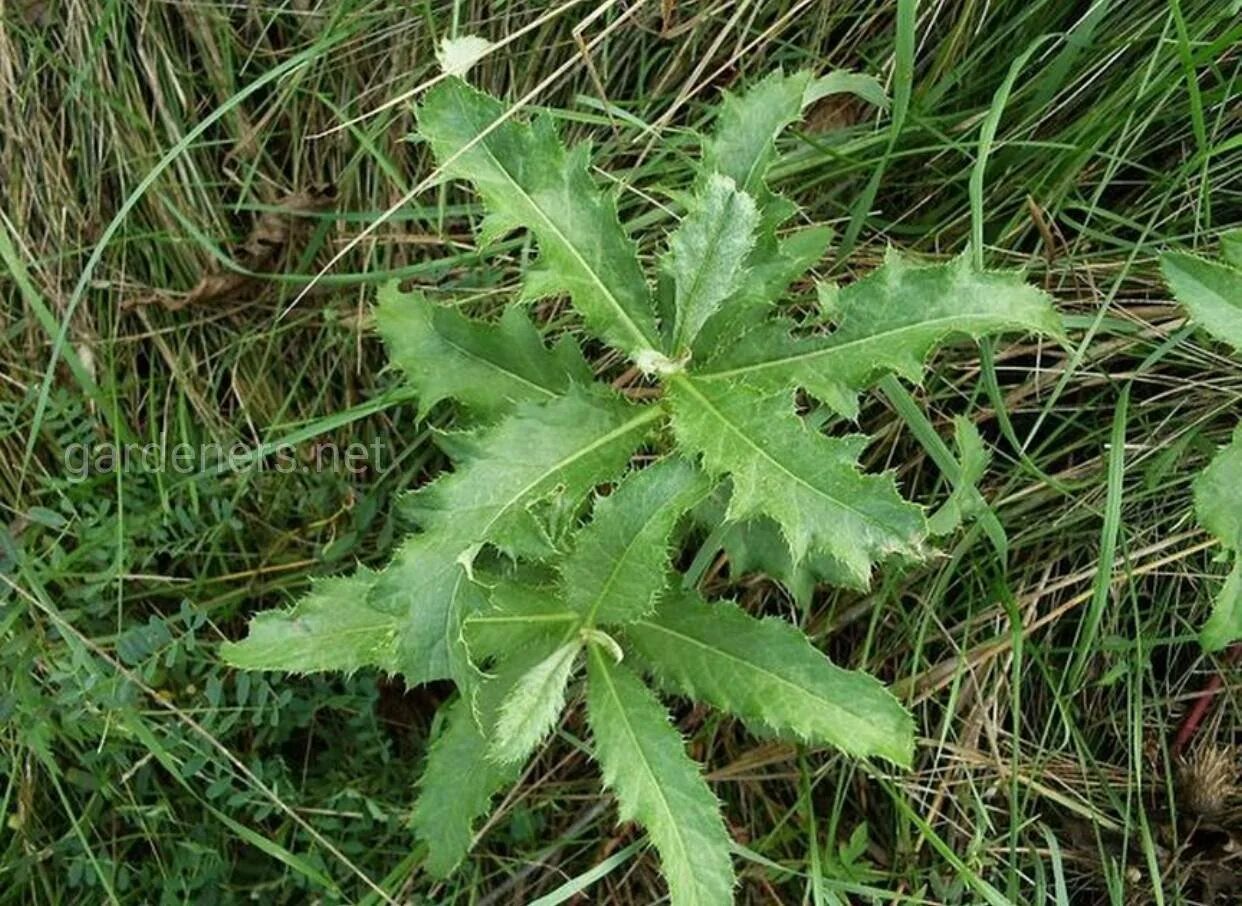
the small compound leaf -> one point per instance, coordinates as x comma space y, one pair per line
619, 564
456, 789
331, 628
645, 764
767, 672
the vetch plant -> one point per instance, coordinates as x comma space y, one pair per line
546, 557
1212, 293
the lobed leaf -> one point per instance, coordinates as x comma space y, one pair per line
563, 447
456, 789
526, 176
771, 269
330, 628
1211, 292
889, 321
644, 762
1218, 504
707, 255
484, 367
619, 564
767, 673
809, 484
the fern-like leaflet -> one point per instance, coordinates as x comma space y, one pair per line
496, 594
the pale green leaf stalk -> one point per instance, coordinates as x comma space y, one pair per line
546, 536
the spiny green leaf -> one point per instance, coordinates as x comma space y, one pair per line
563, 447
780, 468
1231, 247
644, 762
455, 790
841, 81
331, 628
707, 255
743, 144
767, 672
757, 546
772, 267
525, 174
430, 592
1218, 504
485, 367
620, 561
888, 321
531, 707
1211, 292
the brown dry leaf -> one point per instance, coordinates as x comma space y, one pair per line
275, 234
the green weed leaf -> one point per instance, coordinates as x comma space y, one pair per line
809, 484
531, 708
1218, 504
620, 562
525, 174
889, 321
484, 367
457, 786
767, 673
1211, 292
707, 255
644, 762
331, 628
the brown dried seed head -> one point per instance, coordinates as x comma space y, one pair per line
1207, 780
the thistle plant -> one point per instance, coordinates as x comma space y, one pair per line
545, 561
1212, 293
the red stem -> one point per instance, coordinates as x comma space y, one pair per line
1203, 701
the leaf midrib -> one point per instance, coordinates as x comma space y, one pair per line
757, 668
606, 673
935, 323
688, 385
626, 320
